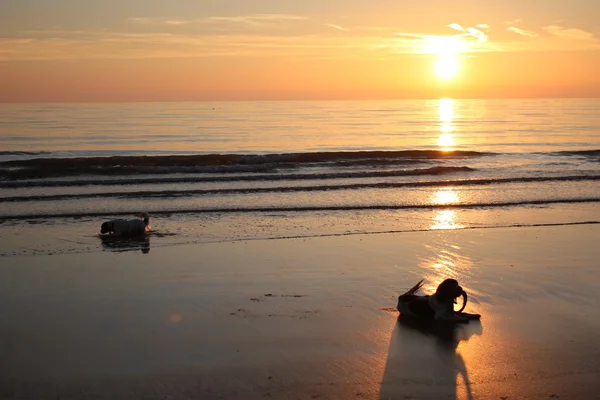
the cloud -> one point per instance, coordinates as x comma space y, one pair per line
101, 44
513, 22
366, 42
456, 27
252, 19
569, 33
468, 40
470, 32
478, 34
522, 32
338, 27
483, 26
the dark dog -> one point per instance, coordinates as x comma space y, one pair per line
132, 227
438, 306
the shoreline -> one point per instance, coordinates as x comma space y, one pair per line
305, 318
74, 236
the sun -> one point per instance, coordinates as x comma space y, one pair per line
447, 51
446, 67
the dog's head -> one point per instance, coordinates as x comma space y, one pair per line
448, 290
105, 227
146, 217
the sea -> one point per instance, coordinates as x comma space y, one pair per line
239, 171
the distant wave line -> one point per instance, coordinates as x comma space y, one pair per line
593, 153
234, 159
267, 177
288, 189
306, 208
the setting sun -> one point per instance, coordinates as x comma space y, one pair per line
446, 67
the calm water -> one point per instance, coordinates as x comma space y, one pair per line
279, 169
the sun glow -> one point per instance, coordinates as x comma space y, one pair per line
445, 45
446, 67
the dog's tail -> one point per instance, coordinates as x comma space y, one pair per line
415, 288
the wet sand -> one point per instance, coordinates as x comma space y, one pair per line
305, 319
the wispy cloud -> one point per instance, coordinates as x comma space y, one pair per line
252, 19
456, 27
308, 42
255, 19
521, 32
469, 31
468, 40
569, 33
164, 21
70, 45
338, 27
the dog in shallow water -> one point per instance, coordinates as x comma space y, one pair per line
438, 306
122, 227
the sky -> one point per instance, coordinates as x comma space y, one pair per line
190, 50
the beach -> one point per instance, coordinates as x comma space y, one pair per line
223, 200
305, 318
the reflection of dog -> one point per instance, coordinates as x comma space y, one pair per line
126, 243
132, 227
438, 306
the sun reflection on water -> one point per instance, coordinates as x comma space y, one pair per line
445, 219
446, 138
446, 110
445, 196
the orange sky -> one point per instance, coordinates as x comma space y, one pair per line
260, 49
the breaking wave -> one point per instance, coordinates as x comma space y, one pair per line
217, 163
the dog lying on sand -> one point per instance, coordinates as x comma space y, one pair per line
132, 227
438, 306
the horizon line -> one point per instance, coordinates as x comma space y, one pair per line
575, 97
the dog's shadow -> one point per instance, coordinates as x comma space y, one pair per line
423, 362
121, 244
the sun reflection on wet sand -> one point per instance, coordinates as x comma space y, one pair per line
446, 219
445, 261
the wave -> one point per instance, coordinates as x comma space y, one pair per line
241, 178
146, 194
216, 163
594, 153
307, 209
23, 153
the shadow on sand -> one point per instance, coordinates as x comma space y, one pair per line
422, 360
119, 244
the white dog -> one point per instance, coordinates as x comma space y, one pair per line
132, 227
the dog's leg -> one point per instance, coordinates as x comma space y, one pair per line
468, 316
